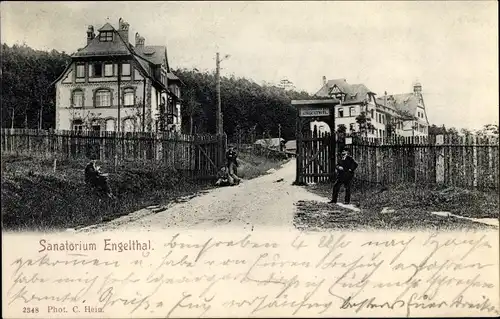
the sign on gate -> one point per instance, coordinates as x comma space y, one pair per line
315, 153
315, 111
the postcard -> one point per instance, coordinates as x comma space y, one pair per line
250, 159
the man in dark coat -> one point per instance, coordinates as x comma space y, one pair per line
345, 174
96, 179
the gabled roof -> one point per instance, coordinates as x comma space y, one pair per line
107, 27
145, 56
270, 142
98, 48
354, 93
173, 77
405, 104
153, 53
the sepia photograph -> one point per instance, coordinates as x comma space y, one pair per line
186, 159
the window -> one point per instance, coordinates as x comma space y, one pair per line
126, 69
110, 125
77, 98
97, 68
106, 36
128, 97
77, 125
379, 118
341, 112
372, 113
80, 70
102, 98
352, 111
96, 126
108, 69
351, 127
128, 125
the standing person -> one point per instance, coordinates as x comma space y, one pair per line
345, 175
232, 164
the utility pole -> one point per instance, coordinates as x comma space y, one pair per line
218, 116
119, 110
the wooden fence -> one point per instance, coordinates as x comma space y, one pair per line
198, 155
469, 162
463, 161
315, 157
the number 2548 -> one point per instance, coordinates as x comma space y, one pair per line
30, 310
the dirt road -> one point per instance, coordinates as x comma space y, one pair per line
266, 201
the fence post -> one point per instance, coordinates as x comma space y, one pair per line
439, 159
474, 159
378, 162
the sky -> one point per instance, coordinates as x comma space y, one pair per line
451, 48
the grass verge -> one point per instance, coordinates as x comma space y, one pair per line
252, 165
411, 207
37, 199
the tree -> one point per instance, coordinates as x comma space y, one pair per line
341, 129
28, 97
244, 103
27, 94
364, 124
437, 130
465, 132
87, 117
489, 129
392, 125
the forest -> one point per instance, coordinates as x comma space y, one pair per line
249, 110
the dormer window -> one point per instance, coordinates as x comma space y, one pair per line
106, 36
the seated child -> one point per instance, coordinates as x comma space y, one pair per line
223, 177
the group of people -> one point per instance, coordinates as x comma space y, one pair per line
227, 175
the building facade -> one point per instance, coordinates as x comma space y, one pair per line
112, 85
392, 115
409, 115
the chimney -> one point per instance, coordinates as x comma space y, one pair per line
123, 30
385, 98
90, 34
324, 80
139, 41
417, 88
